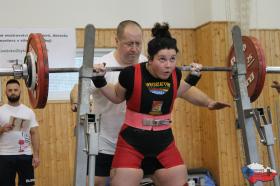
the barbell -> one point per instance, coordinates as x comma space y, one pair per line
35, 69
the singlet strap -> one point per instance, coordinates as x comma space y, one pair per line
175, 87
134, 101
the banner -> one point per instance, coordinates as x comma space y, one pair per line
60, 42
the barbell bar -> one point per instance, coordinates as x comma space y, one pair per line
11, 72
35, 69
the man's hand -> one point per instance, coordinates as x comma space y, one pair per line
216, 105
74, 107
6, 128
276, 85
35, 161
74, 98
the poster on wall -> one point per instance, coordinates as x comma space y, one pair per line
60, 43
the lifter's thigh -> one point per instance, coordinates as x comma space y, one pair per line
126, 176
174, 176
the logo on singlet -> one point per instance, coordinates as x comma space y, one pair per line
158, 88
156, 108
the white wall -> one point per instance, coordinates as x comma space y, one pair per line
202, 11
102, 13
107, 13
179, 13
265, 14
261, 13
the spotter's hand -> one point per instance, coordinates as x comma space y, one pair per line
276, 85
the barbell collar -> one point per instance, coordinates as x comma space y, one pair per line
20, 70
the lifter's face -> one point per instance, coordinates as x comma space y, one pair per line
13, 92
129, 45
163, 63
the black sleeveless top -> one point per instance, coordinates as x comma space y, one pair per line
147, 94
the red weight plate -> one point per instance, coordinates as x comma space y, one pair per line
255, 67
39, 95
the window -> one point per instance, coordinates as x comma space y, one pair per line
60, 84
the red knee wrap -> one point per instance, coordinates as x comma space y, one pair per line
186, 184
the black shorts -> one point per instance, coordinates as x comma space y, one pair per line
150, 165
20, 164
103, 164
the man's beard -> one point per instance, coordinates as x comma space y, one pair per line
13, 98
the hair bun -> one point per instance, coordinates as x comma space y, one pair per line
161, 30
162, 39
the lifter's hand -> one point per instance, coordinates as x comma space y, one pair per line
195, 69
98, 79
194, 75
216, 105
276, 85
99, 69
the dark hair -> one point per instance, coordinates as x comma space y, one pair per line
12, 81
123, 24
162, 40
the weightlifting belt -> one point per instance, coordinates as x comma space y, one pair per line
146, 121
